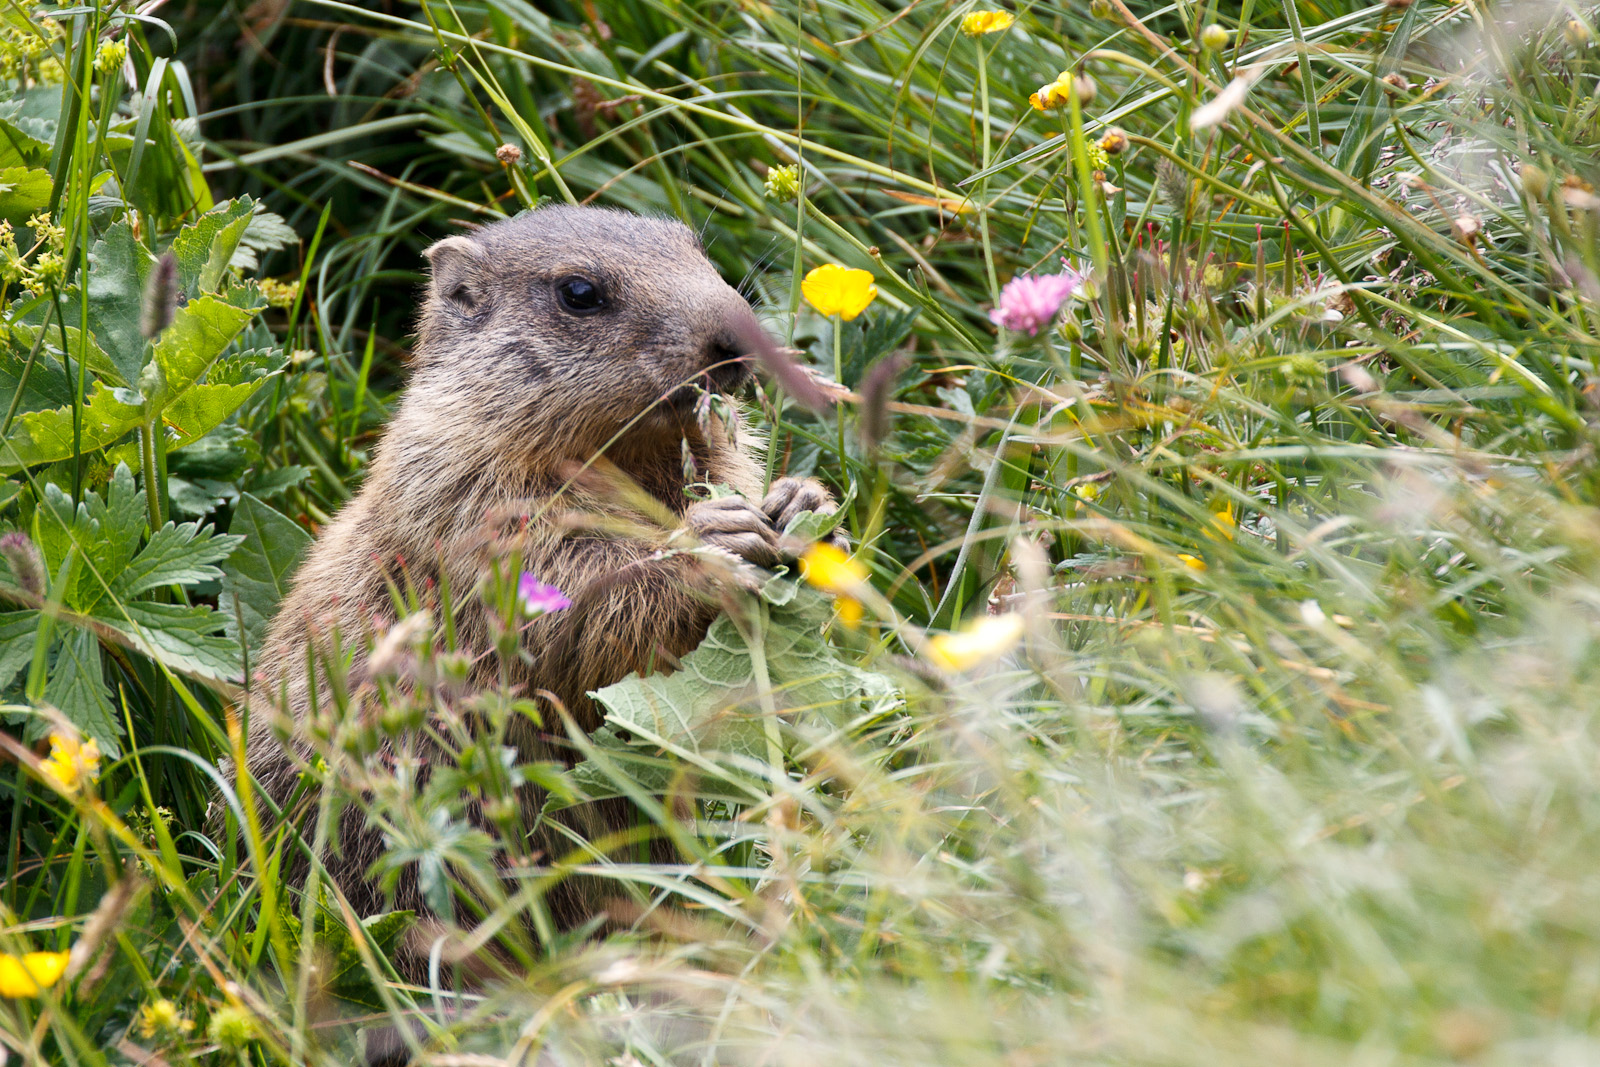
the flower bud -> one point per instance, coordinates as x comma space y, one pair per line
509, 154
1214, 38
1114, 143
783, 183
1578, 34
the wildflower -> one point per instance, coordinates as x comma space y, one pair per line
279, 294
161, 1018
831, 570
1054, 95
1578, 34
1114, 143
1214, 111
1099, 160
1029, 302
1214, 38
72, 763
782, 184
231, 1027
1194, 563
110, 56
984, 639
841, 291
1087, 491
538, 598
509, 154
22, 556
31, 973
978, 23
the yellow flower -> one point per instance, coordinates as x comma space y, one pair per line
71, 762
832, 570
31, 973
1055, 95
979, 23
1223, 523
983, 639
161, 1018
841, 291
1194, 563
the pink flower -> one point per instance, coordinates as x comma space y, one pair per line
539, 598
1028, 302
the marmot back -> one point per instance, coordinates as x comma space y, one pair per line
561, 340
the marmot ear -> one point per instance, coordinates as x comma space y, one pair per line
455, 278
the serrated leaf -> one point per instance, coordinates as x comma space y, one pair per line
118, 267
198, 335
256, 576
17, 632
21, 149
77, 688
184, 637
268, 231
23, 191
175, 555
204, 247
23, 334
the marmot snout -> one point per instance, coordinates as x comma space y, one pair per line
544, 341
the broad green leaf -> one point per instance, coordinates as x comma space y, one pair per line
345, 975
118, 267
21, 149
183, 637
57, 526
204, 247
17, 629
23, 334
77, 688
199, 333
256, 576
23, 191
175, 555
119, 522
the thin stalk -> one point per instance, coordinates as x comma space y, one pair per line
983, 186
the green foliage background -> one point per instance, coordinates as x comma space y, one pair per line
1295, 760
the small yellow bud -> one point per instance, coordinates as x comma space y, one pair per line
1214, 38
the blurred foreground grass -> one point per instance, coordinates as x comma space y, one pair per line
1295, 760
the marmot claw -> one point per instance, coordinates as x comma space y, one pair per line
735, 525
790, 496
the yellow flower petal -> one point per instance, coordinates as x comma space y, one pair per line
841, 291
31, 973
1192, 562
986, 638
832, 570
850, 611
72, 762
978, 23
1052, 96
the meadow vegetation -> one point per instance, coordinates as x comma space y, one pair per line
1214, 678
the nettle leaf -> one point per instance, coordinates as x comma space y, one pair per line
118, 267
200, 332
175, 555
77, 688
184, 637
256, 577
205, 246
18, 630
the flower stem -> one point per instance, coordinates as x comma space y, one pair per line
983, 186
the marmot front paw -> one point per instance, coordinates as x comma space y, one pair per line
735, 525
790, 496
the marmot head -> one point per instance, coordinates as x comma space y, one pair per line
596, 317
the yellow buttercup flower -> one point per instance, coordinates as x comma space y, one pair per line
72, 762
31, 973
831, 570
978, 23
986, 638
841, 291
1194, 563
1055, 95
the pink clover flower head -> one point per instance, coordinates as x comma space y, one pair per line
539, 598
1029, 301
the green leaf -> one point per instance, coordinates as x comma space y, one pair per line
17, 629
204, 247
77, 688
21, 149
183, 637
175, 555
23, 191
200, 332
256, 576
118, 267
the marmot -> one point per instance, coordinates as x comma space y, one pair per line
544, 341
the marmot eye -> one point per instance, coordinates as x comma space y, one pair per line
580, 296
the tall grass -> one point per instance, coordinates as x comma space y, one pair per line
1294, 762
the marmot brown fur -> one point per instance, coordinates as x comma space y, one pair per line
545, 341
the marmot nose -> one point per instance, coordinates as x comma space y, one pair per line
724, 352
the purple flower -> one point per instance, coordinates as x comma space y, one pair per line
1028, 302
539, 598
